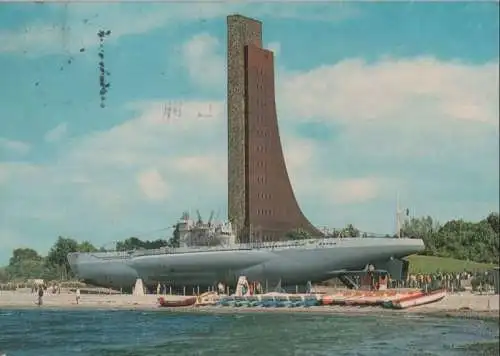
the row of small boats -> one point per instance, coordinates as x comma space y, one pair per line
393, 299
271, 300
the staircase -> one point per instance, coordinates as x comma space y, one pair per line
348, 282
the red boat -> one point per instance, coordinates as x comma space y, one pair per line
417, 300
185, 302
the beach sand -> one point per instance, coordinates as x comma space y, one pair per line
454, 305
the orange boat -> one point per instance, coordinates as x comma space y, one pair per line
186, 302
327, 299
416, 300
410, 296
361, 297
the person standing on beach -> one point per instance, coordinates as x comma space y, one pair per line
40, 296
77, 295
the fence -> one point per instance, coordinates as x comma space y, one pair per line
12, 286
452, 282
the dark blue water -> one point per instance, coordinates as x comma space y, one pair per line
94, 333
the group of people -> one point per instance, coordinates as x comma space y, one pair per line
247, 288
55, 288
452, 282
220, 288
41, 289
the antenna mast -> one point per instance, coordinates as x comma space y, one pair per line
398, 222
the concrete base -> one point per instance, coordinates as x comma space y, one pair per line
139, 288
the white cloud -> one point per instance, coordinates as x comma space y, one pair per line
213, 168
275, 47
204, 63
420, 90
153, 185
13, 146
74, 26
150, 156
57, 133
136, 176
393, 110
301, 157
11, 170
349, 191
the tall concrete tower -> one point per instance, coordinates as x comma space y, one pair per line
260, 197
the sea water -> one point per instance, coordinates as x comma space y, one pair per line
134, 333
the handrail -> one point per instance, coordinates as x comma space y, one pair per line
276, 245
310, 243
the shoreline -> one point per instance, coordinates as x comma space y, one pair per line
465, 306
320, 310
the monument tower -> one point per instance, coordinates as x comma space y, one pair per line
260, 197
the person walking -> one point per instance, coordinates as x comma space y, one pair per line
40, 296
77, 295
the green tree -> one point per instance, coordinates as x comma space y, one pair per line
23, 254
134, 243
26, 263
4, 276
350, 231
86, 246
494, 221
423, 228
457, 238
57, 256
298, 234
175, 240
29, 269
156, 244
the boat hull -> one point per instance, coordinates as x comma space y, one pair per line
312, 262
416, 300
185, 302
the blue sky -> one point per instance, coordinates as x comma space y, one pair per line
373, 99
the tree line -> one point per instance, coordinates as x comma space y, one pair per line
460, 239
26, 263
464, 240
473, 241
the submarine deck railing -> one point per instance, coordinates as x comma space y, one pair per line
278, 245
311, 243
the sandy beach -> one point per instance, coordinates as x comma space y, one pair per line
454, 305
